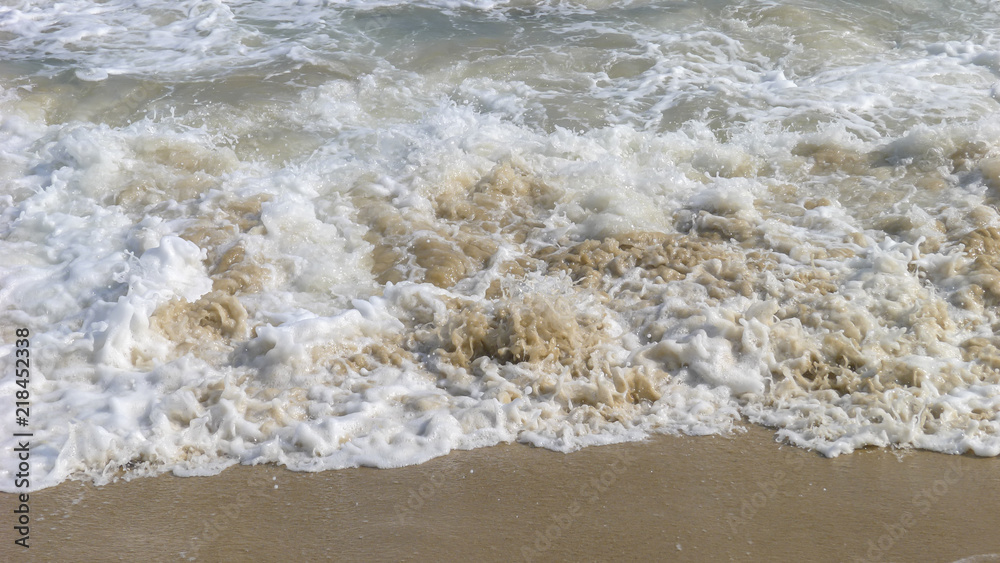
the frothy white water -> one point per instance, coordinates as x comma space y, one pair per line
337, 234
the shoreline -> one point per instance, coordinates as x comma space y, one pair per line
679, 498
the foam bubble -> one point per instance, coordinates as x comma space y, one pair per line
311, 235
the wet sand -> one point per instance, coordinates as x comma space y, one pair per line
739, 498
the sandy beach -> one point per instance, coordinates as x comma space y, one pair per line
323, 234
368, 232
738, 498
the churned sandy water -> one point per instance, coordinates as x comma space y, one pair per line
329, 235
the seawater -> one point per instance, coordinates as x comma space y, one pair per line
329, 234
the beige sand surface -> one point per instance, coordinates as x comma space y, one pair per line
740, 498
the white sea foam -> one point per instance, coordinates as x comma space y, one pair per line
367, 233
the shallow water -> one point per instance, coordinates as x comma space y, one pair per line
331, 234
